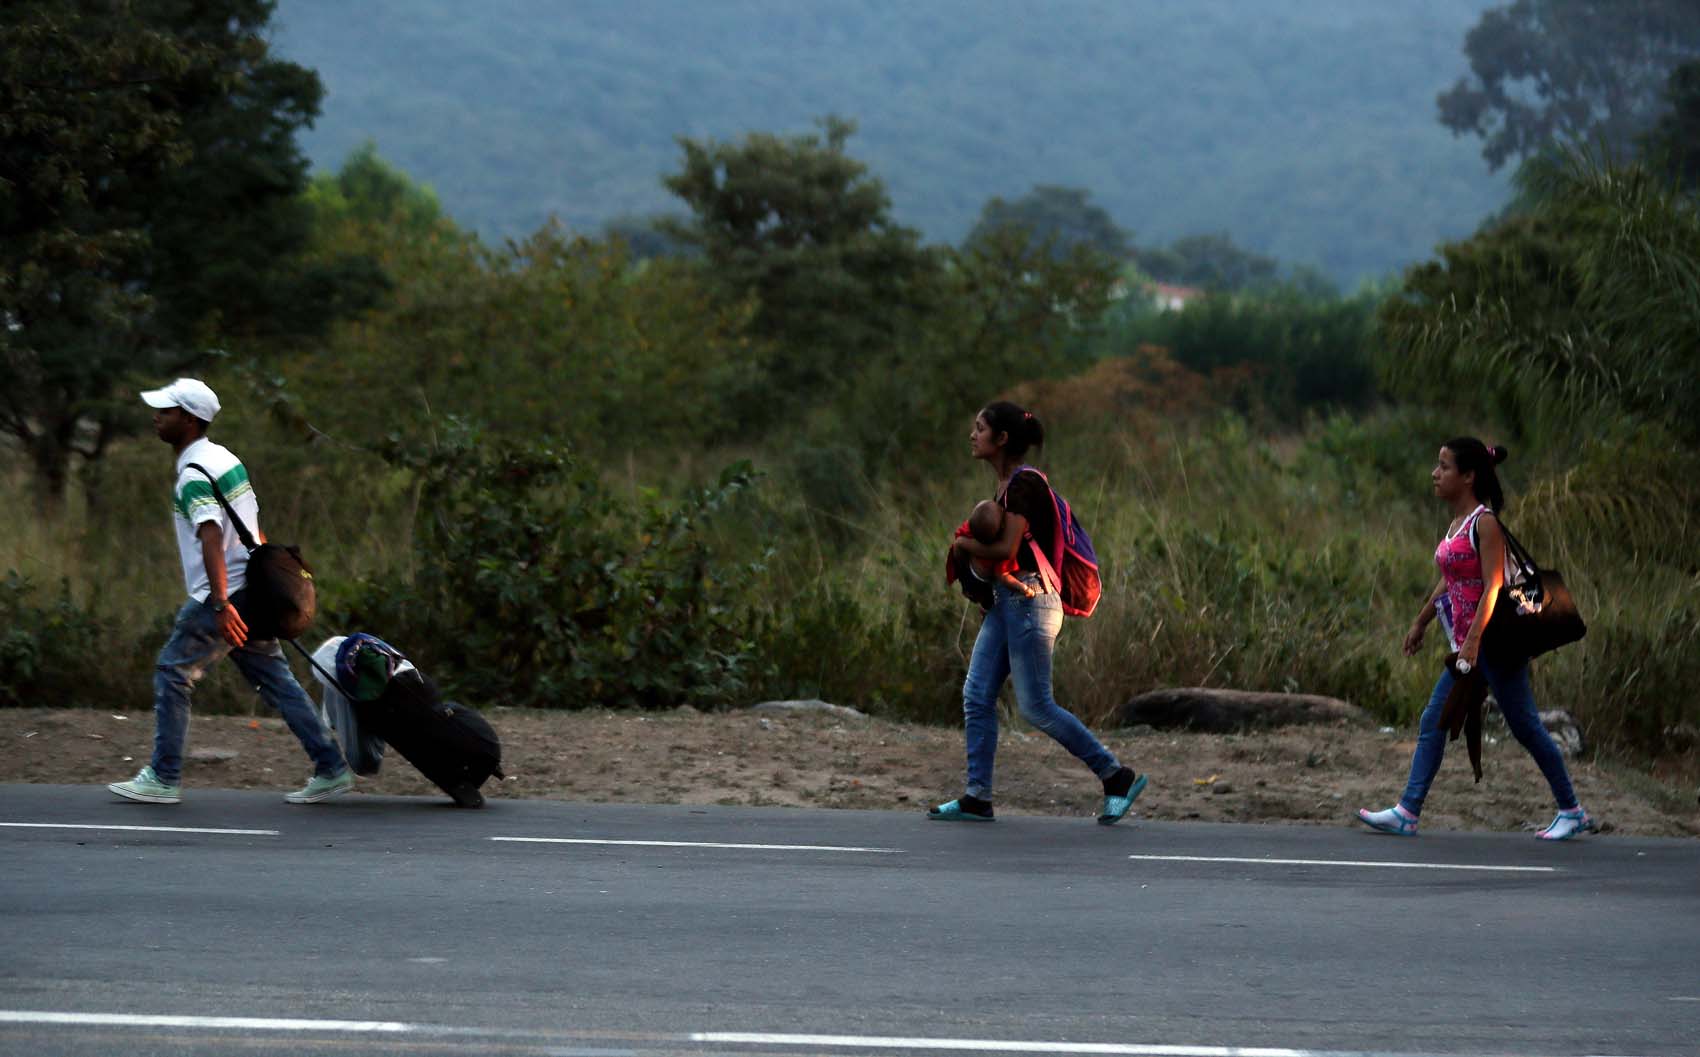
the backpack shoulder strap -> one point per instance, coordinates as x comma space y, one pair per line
242, 532
1047, 570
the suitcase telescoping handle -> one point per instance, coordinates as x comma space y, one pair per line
302, 650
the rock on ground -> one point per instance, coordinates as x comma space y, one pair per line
1213, 711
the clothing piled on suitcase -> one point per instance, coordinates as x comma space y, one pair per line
374, 696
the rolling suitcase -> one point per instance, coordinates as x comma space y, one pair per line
451, 744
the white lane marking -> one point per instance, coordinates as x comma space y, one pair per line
1346, 862
999, 1045
697, 844
151, 1020
142, 829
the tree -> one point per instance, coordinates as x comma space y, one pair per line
150, 208
1211, 261
1577, 313
1674, 143
371, 192
1057, 218
1009, 311
1550, 71
644, 239
806, 230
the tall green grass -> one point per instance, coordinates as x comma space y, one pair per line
1292, 562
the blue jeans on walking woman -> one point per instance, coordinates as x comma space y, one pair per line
1016, 640
195, 645
1510, 686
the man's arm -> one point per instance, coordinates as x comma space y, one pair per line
230, 623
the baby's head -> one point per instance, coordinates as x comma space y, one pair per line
986, 522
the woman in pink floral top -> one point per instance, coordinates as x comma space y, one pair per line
1471, 558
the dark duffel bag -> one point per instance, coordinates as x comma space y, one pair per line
279, 599
451, 744
1533, 613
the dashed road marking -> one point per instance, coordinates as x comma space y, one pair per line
143, 829
1382, 863
697, 844
158, 1020
1112, 1049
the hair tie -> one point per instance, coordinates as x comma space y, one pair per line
1027, 416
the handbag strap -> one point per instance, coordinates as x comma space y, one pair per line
1519, 554
1515, 553
242, 532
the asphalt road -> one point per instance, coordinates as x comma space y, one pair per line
398, 926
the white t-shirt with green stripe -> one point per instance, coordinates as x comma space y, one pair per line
193, 503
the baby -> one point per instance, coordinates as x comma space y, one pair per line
985, 524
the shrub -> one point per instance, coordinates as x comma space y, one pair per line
47, 649
1304, 352
535, 585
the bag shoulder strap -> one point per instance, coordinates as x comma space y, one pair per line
242, 532
1516, 550
1518, 561
1019, 470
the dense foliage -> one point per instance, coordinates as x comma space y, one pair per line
150, 208
1568, 71
535, 585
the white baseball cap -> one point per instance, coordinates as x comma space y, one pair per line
190, 394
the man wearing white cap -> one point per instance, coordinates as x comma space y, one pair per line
209, 626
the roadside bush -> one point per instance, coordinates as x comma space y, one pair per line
49, 647
881, 640
534, 585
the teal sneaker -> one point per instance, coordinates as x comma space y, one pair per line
146, 788
321, 788
955, 812
1116, 807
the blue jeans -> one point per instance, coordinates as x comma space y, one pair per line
1017, 639
195, 646
1510, 686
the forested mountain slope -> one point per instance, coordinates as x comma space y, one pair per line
1304, 128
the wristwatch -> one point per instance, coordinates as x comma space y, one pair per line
218, 607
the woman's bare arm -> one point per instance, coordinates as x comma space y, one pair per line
1414, 637
1003, 548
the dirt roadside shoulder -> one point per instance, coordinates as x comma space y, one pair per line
1300, 774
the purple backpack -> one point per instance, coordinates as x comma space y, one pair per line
1071, 569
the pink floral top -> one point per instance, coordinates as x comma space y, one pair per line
1461, 569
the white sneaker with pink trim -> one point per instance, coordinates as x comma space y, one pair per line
1395, 820
1568, 824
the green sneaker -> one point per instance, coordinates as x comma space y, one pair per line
146, 788
321, 788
